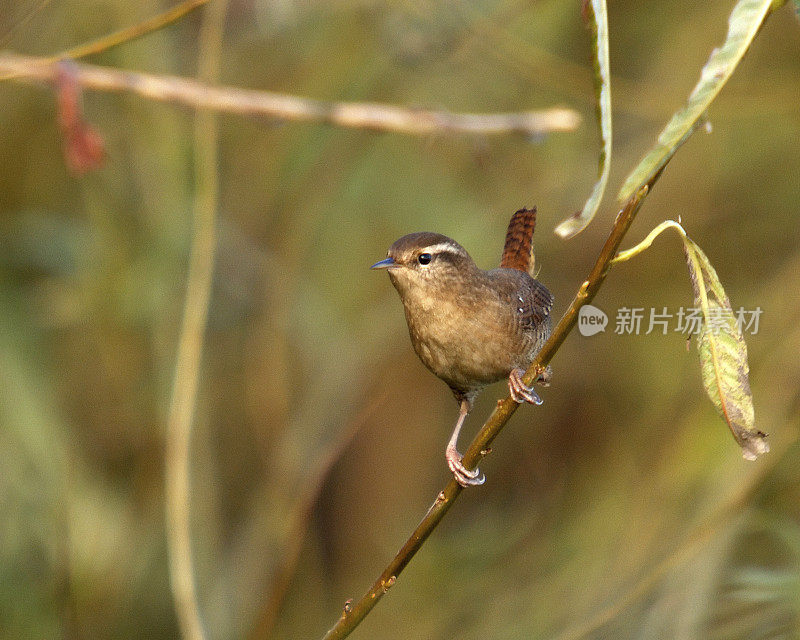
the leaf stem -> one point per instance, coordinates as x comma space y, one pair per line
622, 256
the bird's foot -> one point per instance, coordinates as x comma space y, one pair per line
520, 392
463, 476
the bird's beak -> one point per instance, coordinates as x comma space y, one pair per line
386, 263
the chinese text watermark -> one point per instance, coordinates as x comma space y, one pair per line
685, 320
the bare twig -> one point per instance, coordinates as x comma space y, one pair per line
354, 613
190, 342
359, 115
122, 35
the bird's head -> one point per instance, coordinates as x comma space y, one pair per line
426, 263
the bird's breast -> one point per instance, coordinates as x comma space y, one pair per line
467, 338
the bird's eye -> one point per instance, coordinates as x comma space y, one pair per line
424, 258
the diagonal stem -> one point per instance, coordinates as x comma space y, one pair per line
354, 613
133, 32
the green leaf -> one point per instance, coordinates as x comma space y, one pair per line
598, 21
723, 354
743, 25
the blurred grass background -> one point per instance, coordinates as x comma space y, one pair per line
621, 508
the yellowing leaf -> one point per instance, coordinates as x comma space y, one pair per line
723, 354
722, 350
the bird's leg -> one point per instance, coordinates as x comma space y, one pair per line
520, 392
464, 476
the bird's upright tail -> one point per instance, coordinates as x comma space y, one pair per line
518, 250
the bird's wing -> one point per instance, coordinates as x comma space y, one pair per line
531, 301
538, 302
518, 249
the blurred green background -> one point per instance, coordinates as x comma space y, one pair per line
621, 508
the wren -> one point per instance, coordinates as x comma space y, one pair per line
469, 326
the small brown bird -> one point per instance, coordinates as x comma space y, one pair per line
469, 326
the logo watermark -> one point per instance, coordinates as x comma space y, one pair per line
591, 320
685, 320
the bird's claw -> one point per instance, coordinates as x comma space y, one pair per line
520, 392
465, 477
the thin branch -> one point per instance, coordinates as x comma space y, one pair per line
190, 342
359, 115
135, 31
353, 614
122, 35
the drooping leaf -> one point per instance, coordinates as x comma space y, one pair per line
743, 24
723, 354
597, 18
722, 350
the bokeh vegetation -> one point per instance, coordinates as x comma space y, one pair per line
621, 508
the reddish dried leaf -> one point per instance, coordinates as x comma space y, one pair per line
84, 149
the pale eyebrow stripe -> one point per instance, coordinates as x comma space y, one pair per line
441, 248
